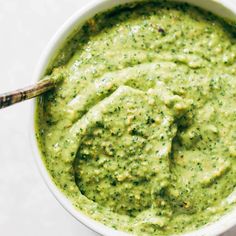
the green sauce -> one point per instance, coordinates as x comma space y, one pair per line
140, 135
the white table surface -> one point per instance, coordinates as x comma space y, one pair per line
26, 206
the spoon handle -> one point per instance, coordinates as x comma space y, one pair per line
10, 98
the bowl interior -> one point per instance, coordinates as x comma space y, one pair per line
224, 8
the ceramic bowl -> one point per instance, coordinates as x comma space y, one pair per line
225, 8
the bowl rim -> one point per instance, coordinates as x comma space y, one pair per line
77, 19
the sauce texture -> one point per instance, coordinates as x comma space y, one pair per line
141, 133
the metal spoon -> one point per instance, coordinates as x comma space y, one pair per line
10, 98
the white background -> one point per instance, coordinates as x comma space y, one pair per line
26, 206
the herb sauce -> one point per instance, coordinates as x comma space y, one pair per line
140, 135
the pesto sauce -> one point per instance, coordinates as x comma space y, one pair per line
140, 135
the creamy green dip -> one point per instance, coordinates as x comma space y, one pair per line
141, 133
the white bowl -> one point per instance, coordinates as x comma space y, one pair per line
225, 8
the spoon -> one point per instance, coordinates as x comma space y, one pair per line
19, 95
